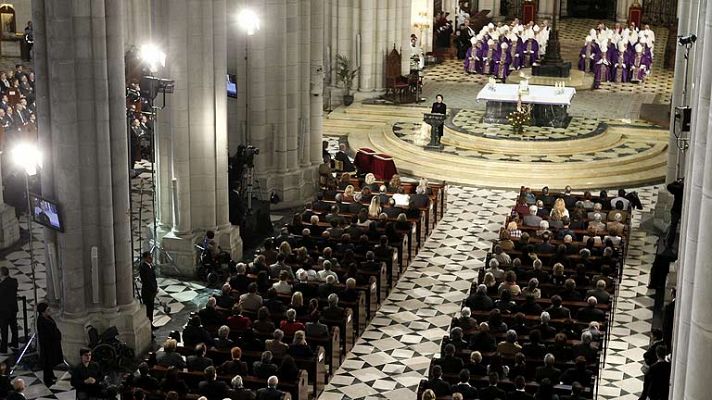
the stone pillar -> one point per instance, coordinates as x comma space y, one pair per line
692, 338
137, 22
317, 79
406, 25
368, 45
193, 131
688, 22
9, 226
81, 110
622, 7
546, 10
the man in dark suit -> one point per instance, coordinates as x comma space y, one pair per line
198, 361
149, 284
342, 156
556, 310
239, 392
480, 301
576, 392
333, 312
439, 108
657, 381
591, 313
212, 388
437, 383
519, 392
18, 386
548, 371
270, 392
600, 293
467, 391
492, 392
87, 377
50, 343
265, 367
8, 309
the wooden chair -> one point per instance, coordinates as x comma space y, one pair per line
397, 85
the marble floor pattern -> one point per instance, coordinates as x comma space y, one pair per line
394, 353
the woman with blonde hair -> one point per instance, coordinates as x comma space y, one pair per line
374, 209
513, 229
394, 184
285, 249
348, 193
370, 182
560, 208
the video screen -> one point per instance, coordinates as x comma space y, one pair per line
231, 86
46, 212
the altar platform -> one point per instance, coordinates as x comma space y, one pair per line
549, 105
594, 153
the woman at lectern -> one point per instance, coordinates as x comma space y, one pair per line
439, 108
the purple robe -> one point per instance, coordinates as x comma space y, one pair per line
515, 52
620, 66
501, 64
602, 71
488, 56
530, 53
639, 67
588, 54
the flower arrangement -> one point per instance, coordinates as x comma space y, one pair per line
518, 119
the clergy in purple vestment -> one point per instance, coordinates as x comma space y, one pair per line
639, 65
588, 54
620, 63
530, 52
602, 72
515, 52
489, 54
502, 62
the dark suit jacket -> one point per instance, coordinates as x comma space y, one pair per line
198, 363
492, 392
214, 390
333, 313
148, 278
516, 395
243, 394
468, 391
13, 395
548, 372
440, 387
590, 314
269, 393
657, 381
262, 370
8, 297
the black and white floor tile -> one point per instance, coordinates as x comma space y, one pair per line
394, 352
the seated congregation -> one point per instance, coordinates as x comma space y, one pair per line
284, 322
537, 319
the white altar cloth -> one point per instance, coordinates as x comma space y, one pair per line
507, 93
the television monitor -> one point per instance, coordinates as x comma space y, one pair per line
46, 212
231, 86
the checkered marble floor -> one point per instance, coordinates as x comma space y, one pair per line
412, 133
394, 352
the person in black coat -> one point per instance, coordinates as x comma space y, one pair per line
519, 393
437, 383
212, 388
50, 343
149, 284
265, 367
270, 392
8, 309
468, 391
439, 108
492, 392
5, 385
86, 377
657, 381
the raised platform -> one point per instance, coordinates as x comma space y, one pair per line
619, 156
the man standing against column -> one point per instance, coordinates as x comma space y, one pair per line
149, 285
8, 309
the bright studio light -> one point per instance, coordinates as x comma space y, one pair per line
28, 157
152, 55
248, 21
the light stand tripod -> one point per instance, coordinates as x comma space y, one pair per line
28, 350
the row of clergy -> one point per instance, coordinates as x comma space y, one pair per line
621, 63
501, 57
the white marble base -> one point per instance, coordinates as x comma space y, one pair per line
184, 254
134, 328
9, 227
293, 188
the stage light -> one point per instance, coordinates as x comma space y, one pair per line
248, 21
28, 157
687, 40
153, 56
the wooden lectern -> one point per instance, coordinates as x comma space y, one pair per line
436, 122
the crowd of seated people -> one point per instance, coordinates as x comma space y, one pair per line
296, 307
536, 319
17, 106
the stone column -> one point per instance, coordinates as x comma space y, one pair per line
406, 26
317, 80
137, 22
368, 45
692, 339
9, 226
688, 23
546, 10
622, 7
81, 109
193, 131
